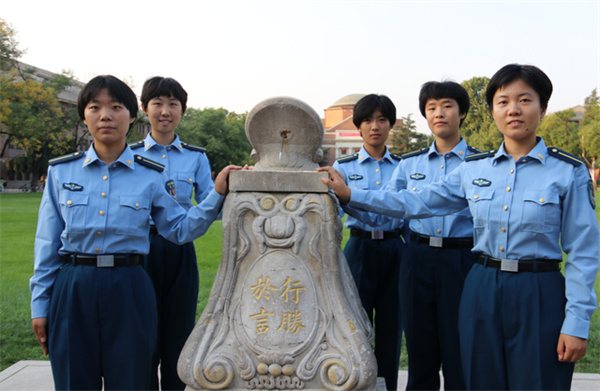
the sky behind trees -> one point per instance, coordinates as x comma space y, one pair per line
234, 54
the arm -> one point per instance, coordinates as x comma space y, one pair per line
203, 180
579, 240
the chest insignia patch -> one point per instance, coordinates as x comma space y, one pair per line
355, 177
170, 186
72, 186
482, 182
417, 176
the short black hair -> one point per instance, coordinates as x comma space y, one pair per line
445, 89
118, 90
530, 74
367, 105
163, 86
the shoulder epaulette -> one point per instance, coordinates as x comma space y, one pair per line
481, 155
193, 147
65, 158
347, 158
473, 149
564, 156
415, 153
396, 156
137, 144
149, 163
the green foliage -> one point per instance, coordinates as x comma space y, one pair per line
9, 47
221, 132
478, 128
558, 130
406, 138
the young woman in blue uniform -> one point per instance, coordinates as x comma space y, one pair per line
173, 268
374, 251
93, 306
522, 324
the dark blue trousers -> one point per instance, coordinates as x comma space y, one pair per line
375, 266
431, 282
509, 327
174, 273
101, 326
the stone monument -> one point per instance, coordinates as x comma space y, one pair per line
283, 311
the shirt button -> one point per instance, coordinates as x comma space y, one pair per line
442, 166
137, 205
101, 213
103, 195
438, 231
501, 249
99, 233
164, 156
512, 170
505, 207
508, 188
355, 187
69, 202
377, 170
378, 182
97, 250
414, 188
542, 200
104, 177
476, 196
191, 180
502, 229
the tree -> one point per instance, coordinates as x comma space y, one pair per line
559, 130
478, 128
589, 132
406, 138
219, 131
9, 47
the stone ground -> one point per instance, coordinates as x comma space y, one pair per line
36, 376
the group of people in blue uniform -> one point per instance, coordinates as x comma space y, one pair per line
458, 248
115, 283
481, 289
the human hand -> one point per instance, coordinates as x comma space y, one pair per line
570, 348
39, 329
221, 182
337, 183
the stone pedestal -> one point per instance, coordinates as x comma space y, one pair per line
283, 312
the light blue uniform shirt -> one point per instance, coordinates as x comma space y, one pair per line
520, 211
91, 208
186, 165
365, 173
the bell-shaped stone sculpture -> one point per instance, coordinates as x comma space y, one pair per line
283, 312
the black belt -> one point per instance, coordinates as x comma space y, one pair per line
105, 260
153, 230
435, 241
376, 235
511, 265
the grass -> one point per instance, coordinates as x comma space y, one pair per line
18, 218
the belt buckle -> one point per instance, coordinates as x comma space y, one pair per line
376, 235
105, 261
509, 265
435, 241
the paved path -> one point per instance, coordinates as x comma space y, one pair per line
36, 376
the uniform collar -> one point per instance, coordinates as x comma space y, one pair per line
149, 143
126, 158
459, 150
539, 153
363, 155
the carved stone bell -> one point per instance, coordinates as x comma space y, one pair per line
283, 312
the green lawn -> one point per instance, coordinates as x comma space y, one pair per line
18, 217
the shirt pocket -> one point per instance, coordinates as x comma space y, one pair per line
184, 185
134, 215
480, 202
359, 184
74, 206
541, 211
